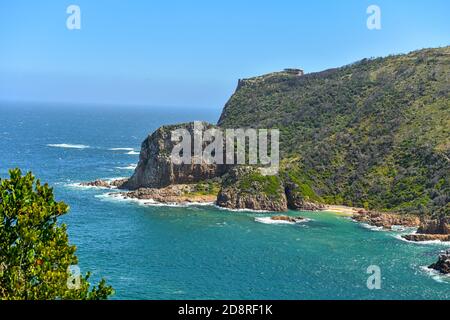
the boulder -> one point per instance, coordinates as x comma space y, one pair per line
443, 263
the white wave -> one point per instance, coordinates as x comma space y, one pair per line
436, 275
269, 220
370, 227
402, 230
129, 167
429, 242
113, 179
149, 202
132, 152
121, 149
68, 146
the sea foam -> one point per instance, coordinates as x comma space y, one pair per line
68, 146
269, 220
436, 275
129, 167
121, 149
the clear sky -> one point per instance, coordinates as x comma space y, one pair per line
191, 53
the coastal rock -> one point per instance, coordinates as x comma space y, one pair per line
431, 230
386, 220
417, 237
436, 226
443, 264
173, 194
246, 188
155, 168
288, 219
296, 201
106, 184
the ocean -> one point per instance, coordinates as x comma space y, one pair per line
197, 252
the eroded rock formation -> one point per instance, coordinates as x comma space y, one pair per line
156, 169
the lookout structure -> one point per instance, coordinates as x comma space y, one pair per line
296, 72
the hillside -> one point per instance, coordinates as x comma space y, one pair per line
374, 134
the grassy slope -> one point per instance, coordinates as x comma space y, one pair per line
375, 133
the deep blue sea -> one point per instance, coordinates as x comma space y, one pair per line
151, 252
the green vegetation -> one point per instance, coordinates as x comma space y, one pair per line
34, 249
269, 185
205, 188
374, 134
249, 181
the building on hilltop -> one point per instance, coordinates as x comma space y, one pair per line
297, 72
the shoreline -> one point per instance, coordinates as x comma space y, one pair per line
341, 210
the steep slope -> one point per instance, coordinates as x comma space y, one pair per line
375, 133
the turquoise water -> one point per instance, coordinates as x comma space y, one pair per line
149, 252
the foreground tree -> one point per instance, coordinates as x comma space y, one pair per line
35, 255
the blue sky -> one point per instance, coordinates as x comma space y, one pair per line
191, 53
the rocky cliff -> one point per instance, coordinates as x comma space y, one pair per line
156, 169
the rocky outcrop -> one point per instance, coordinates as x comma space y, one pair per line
288, 219
386, 220
246, 188
173, 194
417, 237
437, 226
431, 230
106, 184
443, 264
156, 168
297, 201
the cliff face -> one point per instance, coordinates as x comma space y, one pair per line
155, 168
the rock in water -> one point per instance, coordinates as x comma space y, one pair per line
386, 220
437, 226
443, 264
155, 168
417, 237
288, 219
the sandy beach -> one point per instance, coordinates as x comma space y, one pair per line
342, 210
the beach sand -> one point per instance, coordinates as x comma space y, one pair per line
342, 210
